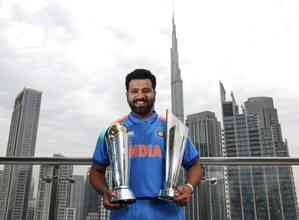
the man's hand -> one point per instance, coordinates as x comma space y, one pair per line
183, 195
107, 197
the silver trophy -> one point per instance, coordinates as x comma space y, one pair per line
117, 139
176, 137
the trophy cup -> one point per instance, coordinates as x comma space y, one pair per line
177, 134
117, 140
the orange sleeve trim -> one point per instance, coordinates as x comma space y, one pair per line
120, 120
162, 118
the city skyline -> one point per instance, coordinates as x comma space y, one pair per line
72, 115
256, 192
67, 53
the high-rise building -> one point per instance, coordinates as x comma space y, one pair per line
93, 216
177, 101
177, 94
21, 142
31, 203
70, 214
54, 191
283, 196
30, 210
43, 200
105, 213
91, 200
77, 196
256, 192
208, 199
1, 182
1, 176
2, 192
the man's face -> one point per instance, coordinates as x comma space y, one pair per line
141, 96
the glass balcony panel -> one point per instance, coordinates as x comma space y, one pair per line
245, 192
62, 191
54, 192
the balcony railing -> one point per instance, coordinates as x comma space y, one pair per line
247, 180
216, 161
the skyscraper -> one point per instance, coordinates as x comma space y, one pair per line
21, 142
43, 200
93, 216
177, 97
70, 214
282, 197
208, 200
1, 182
54, 192
105, 213
177, 101
91, 199
30, 210
77, 196
31, 203
256, 192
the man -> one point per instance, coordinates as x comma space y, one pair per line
147, 158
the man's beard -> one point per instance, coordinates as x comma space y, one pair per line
144, 109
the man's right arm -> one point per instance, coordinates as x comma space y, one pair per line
98, 181
97, 178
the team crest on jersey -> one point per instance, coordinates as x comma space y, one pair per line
160, 133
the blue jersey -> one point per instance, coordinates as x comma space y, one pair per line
146, 153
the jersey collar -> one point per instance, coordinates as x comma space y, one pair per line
137, 120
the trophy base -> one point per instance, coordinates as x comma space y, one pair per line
123, 196
167, 194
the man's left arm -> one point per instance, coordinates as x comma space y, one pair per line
193, 178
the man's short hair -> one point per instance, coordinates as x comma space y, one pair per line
141, 74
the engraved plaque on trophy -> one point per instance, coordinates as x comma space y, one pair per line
117, 143
176, 136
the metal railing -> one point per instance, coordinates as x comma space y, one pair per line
216, 161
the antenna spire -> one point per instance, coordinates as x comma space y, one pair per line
173, 11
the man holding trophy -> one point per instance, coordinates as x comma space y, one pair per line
145, 153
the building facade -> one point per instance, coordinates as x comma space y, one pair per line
93, 216
256, 192
54, 192
31, 204
1, 177
30, 210
70, 214
77, 196
22, 138
208, 199
43, 199
281, 189
105, 213
91, 201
